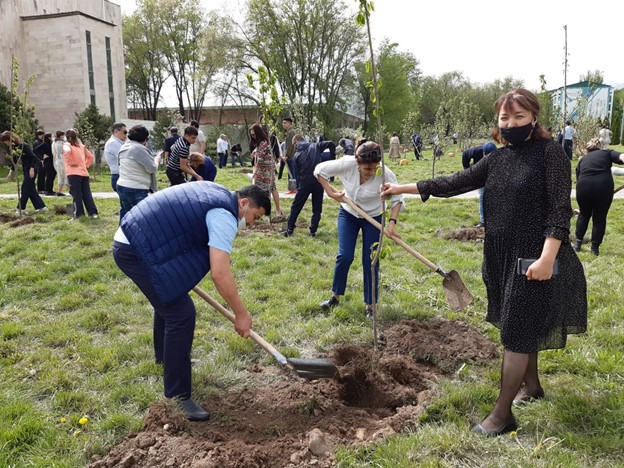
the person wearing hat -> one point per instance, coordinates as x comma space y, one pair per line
472, 156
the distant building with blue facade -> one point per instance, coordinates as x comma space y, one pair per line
599, 98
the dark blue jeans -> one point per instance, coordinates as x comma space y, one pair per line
349, 227
222, 159
174, 325
128, 197
236, 155
114, 179
29, 191
316, 190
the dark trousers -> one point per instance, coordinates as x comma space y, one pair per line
316, 190
291, 167
41, 175
48, 166
175, 177
349, 227
80, 190
174, 325
237, 155
128, 197
594, 198
223, 159
568, 145
114, 179
29, 191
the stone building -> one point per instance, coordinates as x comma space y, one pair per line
74, 51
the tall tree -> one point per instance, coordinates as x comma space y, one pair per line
398, 73
308, 46
143, 52
595, 77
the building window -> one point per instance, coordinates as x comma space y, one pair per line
90, 66
109, 66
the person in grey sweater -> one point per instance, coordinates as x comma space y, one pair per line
137, 170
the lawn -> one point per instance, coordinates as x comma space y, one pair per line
75, 337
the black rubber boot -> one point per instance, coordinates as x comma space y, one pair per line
595, 249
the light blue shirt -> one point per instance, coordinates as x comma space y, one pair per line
111, 151
569, 132
222, 228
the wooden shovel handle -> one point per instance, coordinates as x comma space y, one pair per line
268, 347
375, 223
618, 189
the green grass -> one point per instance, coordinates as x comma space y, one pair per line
75, 338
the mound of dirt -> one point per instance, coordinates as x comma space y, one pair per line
463, 234
16, 221
291, 422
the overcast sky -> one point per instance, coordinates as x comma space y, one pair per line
489, 39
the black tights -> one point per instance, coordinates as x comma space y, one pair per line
516, 369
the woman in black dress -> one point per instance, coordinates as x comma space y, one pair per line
527, 205
594, 192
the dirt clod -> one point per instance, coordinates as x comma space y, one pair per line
463, 234
291, 422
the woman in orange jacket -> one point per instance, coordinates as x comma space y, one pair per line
77, 159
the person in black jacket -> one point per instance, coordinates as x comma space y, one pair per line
594, 192
37, 149
48, 164
307, 156
22, 152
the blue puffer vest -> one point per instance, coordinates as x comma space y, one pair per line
168, 233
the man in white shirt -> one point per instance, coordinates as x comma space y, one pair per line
569, 135
200, 144
222, 150
111, 151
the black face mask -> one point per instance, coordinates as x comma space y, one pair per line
516, 135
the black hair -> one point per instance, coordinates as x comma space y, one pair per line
259, 135
173, 129
287, 119
194, 123
568, 122
138, 133
368, 152
118, 126
59, 133
38, 133
47, 138
191, 131
258, 197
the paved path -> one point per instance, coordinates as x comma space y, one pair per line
472, 194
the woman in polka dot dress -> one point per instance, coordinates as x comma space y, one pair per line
528, 210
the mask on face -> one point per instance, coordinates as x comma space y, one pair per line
516, 135
242, 223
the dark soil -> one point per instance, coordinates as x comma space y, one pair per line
16, 221
463, 234
293, 422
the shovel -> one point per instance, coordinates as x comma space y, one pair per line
618, 189
310, 369
456, 292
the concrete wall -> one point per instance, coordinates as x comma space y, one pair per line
49, 39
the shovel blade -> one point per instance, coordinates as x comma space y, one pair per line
456, 292
313, 369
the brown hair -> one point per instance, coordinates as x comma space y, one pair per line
297, 138
368, 152
259, 133
593, 145
72, 136
197, 158
8, 135
527, 100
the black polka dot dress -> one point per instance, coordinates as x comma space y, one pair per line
527, 198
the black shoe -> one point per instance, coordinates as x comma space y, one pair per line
577, 245
193, 411
60, 194
595, 249
510, 426
286, 233
312, 234
368, 310
329, 303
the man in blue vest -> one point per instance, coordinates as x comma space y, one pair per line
166, 244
